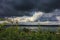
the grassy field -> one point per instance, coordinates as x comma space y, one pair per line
13, 33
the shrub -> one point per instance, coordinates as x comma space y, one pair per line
14, 33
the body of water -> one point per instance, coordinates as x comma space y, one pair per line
36, 27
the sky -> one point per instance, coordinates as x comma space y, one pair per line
27, 7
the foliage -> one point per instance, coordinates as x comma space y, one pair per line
14, 33
2, 19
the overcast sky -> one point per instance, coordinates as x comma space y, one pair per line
25, 7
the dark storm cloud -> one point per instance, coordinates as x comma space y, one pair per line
24, 5
41, 5
48, 5
18, 7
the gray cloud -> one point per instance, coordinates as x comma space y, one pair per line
18, 7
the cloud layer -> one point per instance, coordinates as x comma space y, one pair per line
25, 7
41, 5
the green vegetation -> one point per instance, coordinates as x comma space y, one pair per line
2, 19
14, 33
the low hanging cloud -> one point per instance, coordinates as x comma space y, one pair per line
32, 18
26, 7
39, 16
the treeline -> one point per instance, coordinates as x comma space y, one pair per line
14, 33
2, 19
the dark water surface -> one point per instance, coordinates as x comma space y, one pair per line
36, 27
